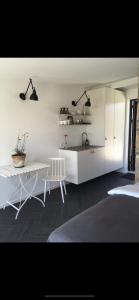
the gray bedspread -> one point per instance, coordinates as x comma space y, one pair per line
114, 219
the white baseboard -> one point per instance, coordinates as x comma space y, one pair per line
123, 170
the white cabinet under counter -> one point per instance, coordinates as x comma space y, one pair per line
83, 164
90, 164
71, 159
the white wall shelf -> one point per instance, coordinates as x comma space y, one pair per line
75, 115
75, 119
75, 124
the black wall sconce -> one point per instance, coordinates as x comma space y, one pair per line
87, 103
33, 95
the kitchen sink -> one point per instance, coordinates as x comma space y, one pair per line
82, 148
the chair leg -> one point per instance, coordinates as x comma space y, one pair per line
62, 194
49, 187
65, 190
45, 185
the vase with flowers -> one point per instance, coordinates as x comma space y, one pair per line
19, 155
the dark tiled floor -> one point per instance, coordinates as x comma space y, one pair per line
35, 223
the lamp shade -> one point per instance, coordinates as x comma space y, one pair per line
22, 96
34, 95
88, 103
74, 103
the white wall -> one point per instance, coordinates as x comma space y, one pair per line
39, 118
130, 94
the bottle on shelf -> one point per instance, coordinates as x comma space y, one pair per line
64, 110
66, 143
61, 110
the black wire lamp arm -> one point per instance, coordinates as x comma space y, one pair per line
33, 95
23, 95
31, 82
76, 102
88, 103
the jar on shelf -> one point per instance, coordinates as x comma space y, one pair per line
70, 119
66, 110
61, 110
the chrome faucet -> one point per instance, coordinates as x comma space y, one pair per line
86, 142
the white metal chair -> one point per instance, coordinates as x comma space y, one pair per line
56, 172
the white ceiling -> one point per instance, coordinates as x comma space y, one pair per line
88, 71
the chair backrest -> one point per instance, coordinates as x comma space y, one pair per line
57, 166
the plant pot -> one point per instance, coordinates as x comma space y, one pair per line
18, 160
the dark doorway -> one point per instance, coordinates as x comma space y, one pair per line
132, 134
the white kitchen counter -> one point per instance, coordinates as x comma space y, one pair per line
83, 163
81, 148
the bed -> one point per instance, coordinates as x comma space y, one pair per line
114, 219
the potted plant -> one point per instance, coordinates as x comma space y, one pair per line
19, 155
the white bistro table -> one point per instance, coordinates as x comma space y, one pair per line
31, 170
